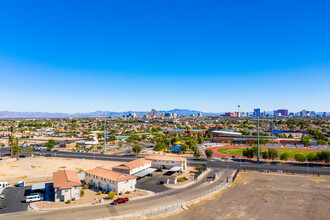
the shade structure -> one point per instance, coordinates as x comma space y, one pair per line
176, 148
176, 169
38, 186
276, 132
145, 172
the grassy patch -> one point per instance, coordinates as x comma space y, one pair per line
238, 151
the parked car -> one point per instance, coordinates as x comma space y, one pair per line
34, 197
264, 170
280, 171
120, 200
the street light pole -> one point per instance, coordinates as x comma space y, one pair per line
105, 133
258, 140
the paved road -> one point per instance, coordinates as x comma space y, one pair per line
166, 198
287, 168
15, 199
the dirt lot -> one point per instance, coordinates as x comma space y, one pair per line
266, 196
37, 167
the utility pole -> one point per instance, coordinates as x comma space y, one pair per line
105, 132
11, 142
258, 141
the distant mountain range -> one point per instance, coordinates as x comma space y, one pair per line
182, 112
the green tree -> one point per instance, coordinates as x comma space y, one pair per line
321, 142
306, 140
209, 153
200, 139
300, 157
311, 157
284, 156
52, 141
136, 149
272, 153
324, 155
197, 152
248, 152
49, 146
184, 148
264, 155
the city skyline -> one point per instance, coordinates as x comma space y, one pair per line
139, 56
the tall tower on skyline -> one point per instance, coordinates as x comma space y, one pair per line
239, 113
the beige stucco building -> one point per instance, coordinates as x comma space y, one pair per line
133, 167
67, 186
109, 180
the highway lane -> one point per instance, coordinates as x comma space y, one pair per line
215, 163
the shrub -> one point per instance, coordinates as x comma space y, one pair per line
233, 156
199, 167
111, 195
99, 193
82, 193
128, 192
68, 202
284, 156
300, 157
182, 179
85, 187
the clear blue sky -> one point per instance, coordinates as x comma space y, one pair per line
79, 56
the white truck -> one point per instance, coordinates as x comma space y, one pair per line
4, 185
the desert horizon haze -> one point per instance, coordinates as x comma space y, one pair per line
60, 56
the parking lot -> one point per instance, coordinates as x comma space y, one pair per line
152, 183
15, 199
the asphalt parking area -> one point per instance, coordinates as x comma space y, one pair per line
152, 183
15, 199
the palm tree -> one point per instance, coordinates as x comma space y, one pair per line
11, 142
16, 148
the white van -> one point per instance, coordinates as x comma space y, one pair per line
34, 197
4, 185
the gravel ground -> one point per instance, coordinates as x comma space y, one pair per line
266, 196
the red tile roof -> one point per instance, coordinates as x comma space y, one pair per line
132, 164
65, 179
166, 158
110, 175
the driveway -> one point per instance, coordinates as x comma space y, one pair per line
152, 183
15, 199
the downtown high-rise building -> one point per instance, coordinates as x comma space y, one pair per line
281, 113
256, 112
